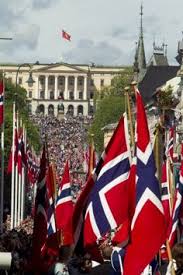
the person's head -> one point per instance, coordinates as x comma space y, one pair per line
106, 250
86, 263
177, 254
65, 253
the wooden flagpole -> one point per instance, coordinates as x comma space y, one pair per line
130, 117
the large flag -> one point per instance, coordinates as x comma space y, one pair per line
40, 218
148, 227
177, 207
1, 102
66, 36
64, 209
107, 206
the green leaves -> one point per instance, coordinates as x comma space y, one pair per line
110, 105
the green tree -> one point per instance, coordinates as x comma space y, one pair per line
32, 132
110, 105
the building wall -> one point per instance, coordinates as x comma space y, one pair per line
61, 83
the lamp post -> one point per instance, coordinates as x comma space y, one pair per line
17, 189
30, 79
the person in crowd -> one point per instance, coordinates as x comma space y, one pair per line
79, 265
60, 266
177, 261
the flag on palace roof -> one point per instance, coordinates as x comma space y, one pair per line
66, 36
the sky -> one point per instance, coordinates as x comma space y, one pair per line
104, 32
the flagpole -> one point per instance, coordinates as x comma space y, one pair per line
13, 171
16, 186
91, 155
130, 116
2, 166
19, 178
170, 256
23, 179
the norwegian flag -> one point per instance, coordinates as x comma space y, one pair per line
1, 102
178, 205
107, 206
64, 209
165, 191
89, 162
51, 224
148, 227
10, 161
21, 158
170, 142
33, 168
40, 218
66, 36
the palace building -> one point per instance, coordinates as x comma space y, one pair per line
62, 87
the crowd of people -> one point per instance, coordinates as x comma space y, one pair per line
66, 140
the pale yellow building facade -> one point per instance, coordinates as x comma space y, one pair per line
61, 86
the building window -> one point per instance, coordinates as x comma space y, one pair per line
71, 95
71, 81
30, 94
91, 95
91, 82
51, 81
30, 108
20, 80
41, 80
80, 95
61, 96
102, 82
10, 79
42, 94
51, 95
61, 81
80, 81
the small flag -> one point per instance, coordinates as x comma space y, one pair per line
66, 36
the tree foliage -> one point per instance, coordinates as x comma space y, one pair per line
19, 95
110, 105
165, 97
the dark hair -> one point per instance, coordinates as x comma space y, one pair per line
177, 254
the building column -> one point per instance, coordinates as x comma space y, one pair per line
85, 88
46, 86
56, 88
37, 95
75, 87
66, 88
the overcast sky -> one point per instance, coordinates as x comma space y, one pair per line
102, 31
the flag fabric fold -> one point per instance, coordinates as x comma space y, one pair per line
107, 205
40, 218
64, 209
177, 207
